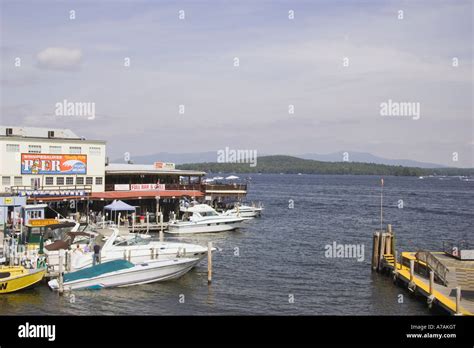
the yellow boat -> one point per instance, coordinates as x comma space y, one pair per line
14, 278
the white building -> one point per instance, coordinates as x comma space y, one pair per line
46, 159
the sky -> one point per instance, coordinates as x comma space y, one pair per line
336, 62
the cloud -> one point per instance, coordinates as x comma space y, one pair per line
59, 58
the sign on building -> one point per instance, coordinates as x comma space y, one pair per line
53, 164
164, 165
147, 187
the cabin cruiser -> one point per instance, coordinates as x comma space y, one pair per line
134, 249
244, 211
120, 273
201, 218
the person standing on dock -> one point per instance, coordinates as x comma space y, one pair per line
96, 257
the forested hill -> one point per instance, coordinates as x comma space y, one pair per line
294, 165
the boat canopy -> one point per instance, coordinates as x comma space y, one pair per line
97, 270
198, 208
117, 205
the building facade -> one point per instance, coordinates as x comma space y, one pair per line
50, 161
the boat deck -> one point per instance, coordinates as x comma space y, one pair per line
460, 274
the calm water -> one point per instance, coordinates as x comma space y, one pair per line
283, 253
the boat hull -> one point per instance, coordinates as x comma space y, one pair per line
20, 282
192, 228
149, 272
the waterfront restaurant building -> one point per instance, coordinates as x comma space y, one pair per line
50, 162
71, 175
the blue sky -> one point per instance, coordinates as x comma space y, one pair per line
282, 62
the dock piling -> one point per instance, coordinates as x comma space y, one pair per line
60, 271
375, 251
458, 300
209, 262
161, 226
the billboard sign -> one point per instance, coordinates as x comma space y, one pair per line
53, 164
164, 165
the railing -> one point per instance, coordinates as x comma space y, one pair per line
440, 270
18, 189
454, 249
225, 187
179, 187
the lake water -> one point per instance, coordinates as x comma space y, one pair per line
276, 265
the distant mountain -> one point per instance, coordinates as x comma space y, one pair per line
211, 156
293, 165
365, 157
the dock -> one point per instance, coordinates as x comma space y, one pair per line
443, 280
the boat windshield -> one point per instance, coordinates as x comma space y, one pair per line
208, 213
131, 241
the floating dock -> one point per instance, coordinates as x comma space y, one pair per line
442, 279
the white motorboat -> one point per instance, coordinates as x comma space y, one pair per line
120, 273
201, 218
134, 249
244, 211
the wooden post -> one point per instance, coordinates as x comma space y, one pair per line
118, 220
152, 252
375, 251
60, 270
147, 222
381, 249
129, 256
458, 300
161, 227
412, 270
431, 282
103, 221
68, 261
395, 258
125, 254
388, 243
209, 262
133, 222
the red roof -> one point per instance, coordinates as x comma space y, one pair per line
145, 194
110, 195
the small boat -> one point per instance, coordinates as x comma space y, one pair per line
203, 219
244, 211
137, 249
121, 273
15, 278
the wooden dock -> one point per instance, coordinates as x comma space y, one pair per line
443, 280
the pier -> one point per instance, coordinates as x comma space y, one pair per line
440, 277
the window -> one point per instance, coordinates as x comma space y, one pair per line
5, 180
74, 150
79, 180
49, 180
34, 148
60, 181
18, 180
69, 180
89, 180
55, 149
98, 180
94, 150
13, 148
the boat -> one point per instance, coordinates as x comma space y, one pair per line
244, 211
202, 218
136, 249
121, 273
15, 278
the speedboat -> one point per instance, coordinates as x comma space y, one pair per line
121, 273
245, 211
134, 249
201, 218
15, 278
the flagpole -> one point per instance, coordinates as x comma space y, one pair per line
381, 206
